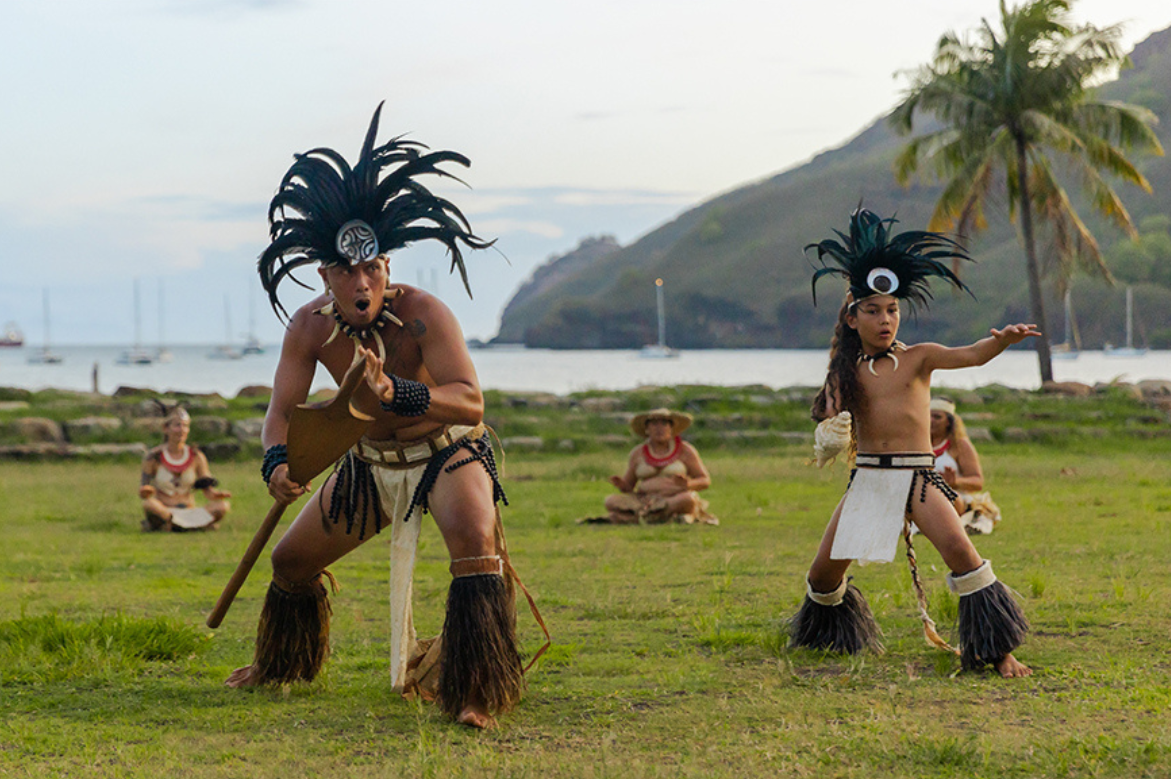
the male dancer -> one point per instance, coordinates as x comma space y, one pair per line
425, 448
884, 387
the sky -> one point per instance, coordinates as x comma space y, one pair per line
143, 139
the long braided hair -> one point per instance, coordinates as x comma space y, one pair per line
841, 379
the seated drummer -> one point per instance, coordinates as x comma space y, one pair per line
663, 476
171, 473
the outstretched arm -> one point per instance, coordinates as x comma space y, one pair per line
939, 357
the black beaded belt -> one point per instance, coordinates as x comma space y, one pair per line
898, 460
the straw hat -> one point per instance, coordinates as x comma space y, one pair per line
679, 421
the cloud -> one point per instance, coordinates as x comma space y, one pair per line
621, 197
504, 226
594, 116
488, 201
218, 7
202, 208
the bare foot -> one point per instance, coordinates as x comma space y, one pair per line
1009, 667
242, 677
476, 716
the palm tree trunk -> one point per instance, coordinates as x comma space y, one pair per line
1036, 299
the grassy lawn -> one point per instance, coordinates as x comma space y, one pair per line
667, 658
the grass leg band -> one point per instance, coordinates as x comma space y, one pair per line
292, 639
479, 659
832, 598
477, 566
847, 625
972, 581
991, 623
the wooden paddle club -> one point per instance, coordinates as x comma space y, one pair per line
319, 434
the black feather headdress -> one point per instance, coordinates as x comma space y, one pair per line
878, 262
327, 212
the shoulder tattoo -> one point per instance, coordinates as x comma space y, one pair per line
416, 328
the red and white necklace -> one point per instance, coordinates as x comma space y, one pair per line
659, 462
182, 463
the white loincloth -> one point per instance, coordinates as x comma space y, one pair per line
872, 515
396, 487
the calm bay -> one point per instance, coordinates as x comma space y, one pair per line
191, 369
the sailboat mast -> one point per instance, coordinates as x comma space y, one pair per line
137, 318
46, 300
162, 318
227, 322
662, 317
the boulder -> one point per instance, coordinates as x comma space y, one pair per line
150, 408
146, 424
112, 450
254, 391
1155, 388
86, 427
212, 426
38, 430
613, 439
37, 451
535, 400
979, 434
604, 403
525, 442
130, 392
1069, 389
246, 429
15, 393
218, 451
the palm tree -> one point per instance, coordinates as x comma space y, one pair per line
1006, 102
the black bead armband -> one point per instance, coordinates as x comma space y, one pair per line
273, 456
205, 483
411, 398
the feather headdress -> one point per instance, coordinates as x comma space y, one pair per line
877, 261
327, 212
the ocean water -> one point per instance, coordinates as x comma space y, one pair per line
191, 369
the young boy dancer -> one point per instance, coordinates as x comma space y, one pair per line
881, 388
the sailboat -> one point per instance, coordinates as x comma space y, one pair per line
252, 343
1130, 350
659, 350
1071, 346
136, 355
45, 356
225, 351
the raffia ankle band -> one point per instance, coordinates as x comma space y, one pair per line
832, 598
972, 581
477, 566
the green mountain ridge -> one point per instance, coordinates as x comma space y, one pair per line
736, 277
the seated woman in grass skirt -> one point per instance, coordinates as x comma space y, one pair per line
663, 476
171, 473
959, 464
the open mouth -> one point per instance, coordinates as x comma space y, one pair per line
362, 305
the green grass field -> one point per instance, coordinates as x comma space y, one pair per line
667, 657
